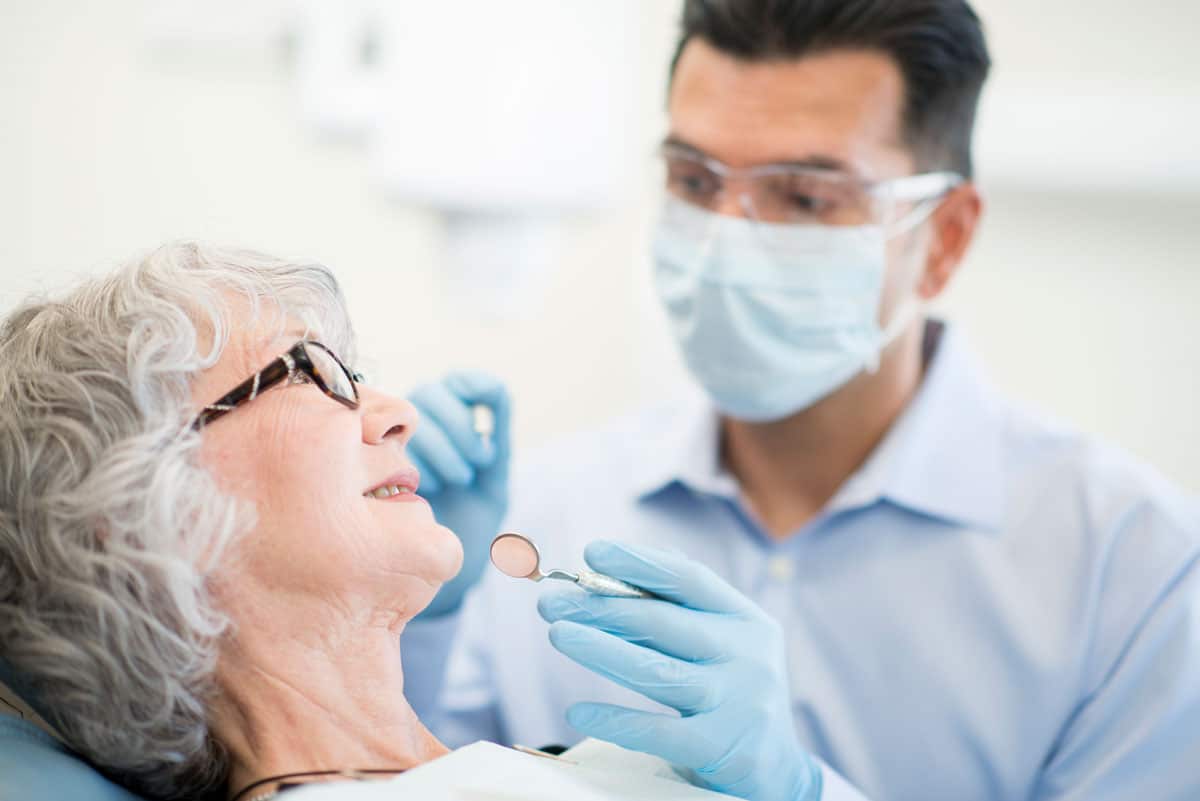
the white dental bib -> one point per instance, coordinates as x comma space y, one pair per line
591, 771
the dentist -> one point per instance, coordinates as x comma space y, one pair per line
897, 583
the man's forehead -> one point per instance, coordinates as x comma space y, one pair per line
836, 105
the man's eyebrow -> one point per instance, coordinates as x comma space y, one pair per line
816, 161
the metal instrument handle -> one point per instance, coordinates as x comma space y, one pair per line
600, 584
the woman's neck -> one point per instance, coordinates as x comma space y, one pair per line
289, 706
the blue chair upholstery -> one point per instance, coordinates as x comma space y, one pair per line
36, 767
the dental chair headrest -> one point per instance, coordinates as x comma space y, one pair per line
33, 765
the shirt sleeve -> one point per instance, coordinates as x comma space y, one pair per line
1136, 733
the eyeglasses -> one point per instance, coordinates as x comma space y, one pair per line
304, 361
794, 194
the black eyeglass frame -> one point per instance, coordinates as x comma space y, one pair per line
285, 368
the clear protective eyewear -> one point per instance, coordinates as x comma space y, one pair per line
800, 195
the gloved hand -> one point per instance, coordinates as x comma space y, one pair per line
707, 651
464, 478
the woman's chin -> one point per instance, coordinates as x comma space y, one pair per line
433, 549
450, 553
439, 555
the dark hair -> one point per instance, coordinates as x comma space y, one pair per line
939, 46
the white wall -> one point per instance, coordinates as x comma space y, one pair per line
1082, 298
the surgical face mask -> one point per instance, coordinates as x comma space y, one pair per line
771, 318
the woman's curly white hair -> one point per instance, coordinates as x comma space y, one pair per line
109, 526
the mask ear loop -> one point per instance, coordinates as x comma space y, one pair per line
901, 319
913, 307
918, 215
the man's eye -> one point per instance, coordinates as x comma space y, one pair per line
692, 182
808, 203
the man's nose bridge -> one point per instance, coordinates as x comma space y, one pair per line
736, 198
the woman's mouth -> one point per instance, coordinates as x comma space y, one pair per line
399, 487
387, 491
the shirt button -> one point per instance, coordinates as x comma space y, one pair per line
780, 568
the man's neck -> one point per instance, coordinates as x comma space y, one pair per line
790, 469
285, 706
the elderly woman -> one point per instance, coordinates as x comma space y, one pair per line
210, 537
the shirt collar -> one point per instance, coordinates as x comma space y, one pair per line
941, 458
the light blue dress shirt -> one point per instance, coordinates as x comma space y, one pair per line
992, 608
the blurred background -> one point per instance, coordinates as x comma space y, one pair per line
481, 178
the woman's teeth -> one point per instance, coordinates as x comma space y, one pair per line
387, 491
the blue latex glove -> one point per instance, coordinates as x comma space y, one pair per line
707, 651
464, 478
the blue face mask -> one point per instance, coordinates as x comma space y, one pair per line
772, 318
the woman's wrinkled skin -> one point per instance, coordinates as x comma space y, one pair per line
310, 676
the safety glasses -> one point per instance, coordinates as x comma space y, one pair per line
306, 361
793, 194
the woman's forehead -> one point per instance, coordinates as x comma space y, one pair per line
257, 349
259, 330
248, 348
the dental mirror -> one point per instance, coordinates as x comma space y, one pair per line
516, 555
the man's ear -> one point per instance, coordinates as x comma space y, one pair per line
953, 228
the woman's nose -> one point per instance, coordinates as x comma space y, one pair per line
386, 416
